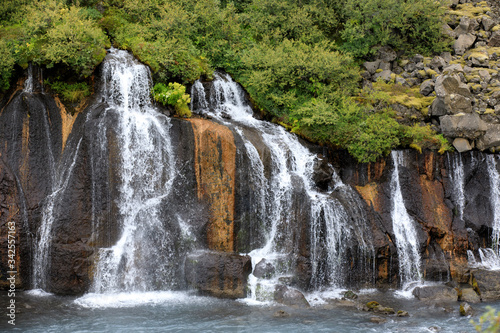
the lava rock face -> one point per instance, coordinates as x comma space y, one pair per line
218, 274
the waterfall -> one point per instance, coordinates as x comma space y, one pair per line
41, 261
28, 84
456, 167
404, 229
141, 259
283, 182
495, 201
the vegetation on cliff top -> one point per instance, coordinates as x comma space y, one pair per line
297, 59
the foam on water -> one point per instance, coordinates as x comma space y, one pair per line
133, 299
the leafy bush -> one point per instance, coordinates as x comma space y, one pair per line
423, 137
6, 65
57, 34
174, 94
408, 26
282, 78
69, 92
491, 318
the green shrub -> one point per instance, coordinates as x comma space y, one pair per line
57, 34
6, 65
491, 318
174, 94
408, 26
69, 92
423, 137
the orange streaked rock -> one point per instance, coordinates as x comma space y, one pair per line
215, 167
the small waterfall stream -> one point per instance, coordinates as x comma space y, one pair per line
404, 229
141, 258
291, 168
495, 202
456, 167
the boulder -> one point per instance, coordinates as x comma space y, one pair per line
385, 75
462, 125
462, 145
264, 269
427, 87
438, 63
491, 138
219, 274
488, 283
387, 54
485, 76
435, 293
455, 68
290, 297
438, 108
281, 314
371, 66
466, 309
469, 295
479, 59
463, 26
463, 43
451, 84
385, 66
495, 39
488, 23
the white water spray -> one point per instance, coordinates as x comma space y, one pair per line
404, 229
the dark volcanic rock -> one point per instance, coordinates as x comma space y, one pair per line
264, 269
218, 274
435, 293
290, 297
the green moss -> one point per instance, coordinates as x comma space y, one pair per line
422, 73
471, 10
431, 72
409, 97
372, 304
495, 28
489, 111
379, 70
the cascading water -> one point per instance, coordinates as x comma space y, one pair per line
288, 171
495, 202
456, 167
28, 84
41, 261
404, 229
141, 259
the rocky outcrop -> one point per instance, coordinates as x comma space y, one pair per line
215, 153
218, 274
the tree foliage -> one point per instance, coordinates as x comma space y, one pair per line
297, 59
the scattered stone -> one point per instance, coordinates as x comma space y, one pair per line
466, 309
219, 274
438, 63
281, 314
350, 295
463, 26
488, 282
463, 43
385, 66
384, 75
462, 145
485, 76
264, 269
427, 87
371, 305
469, 295
402, 313
290, 297
462, 125
435, 293
495, 39
490, 139
488, 23
378, 320
401, 81
386, 53
451, 69
372, 66
434, 328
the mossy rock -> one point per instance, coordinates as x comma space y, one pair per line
431, 72
495, 28
470, 10
372, 305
